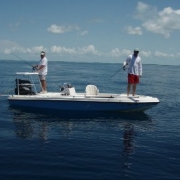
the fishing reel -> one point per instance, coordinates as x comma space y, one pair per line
34, 68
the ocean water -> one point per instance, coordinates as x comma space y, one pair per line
40, 145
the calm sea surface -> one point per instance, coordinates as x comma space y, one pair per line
81, 146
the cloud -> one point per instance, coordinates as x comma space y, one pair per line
178, 55
83, 33
75, 51
7, 44
85, 50
142, 7
125, 52
62, 29
89, 49
36, 49
61, 50
133, 31
164, 55
15, 25
17, 49
118, 53
145, 11
8, 47
162, 22
145, 53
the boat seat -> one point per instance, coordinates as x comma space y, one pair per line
91, 90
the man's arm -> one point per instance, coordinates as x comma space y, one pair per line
140, 68
125, 63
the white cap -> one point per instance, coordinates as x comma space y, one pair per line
42, 53
136, 49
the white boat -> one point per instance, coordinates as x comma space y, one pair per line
67, 99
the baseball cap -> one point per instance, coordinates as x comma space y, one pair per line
136, 49
42, 53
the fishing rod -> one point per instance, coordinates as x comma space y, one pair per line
22, 60
118, 71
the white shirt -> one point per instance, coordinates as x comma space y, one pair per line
134, 65
44, 70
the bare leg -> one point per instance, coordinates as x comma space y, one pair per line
43, 84
128, 89
134, 89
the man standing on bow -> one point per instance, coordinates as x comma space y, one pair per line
42, 69
134, 71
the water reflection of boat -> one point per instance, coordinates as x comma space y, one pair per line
129, 146
28, 123
48, 127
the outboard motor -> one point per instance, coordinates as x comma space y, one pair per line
24, 87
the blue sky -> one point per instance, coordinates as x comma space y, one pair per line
104, 31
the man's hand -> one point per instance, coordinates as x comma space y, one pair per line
34, 68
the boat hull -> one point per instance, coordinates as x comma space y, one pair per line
82, 104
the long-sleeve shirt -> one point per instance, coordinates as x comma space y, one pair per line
134, 65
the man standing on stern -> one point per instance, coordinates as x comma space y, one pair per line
134, 71
42, 69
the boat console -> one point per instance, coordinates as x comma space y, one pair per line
67, 89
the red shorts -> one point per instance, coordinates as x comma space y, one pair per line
133, 79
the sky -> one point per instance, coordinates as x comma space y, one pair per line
104, 31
